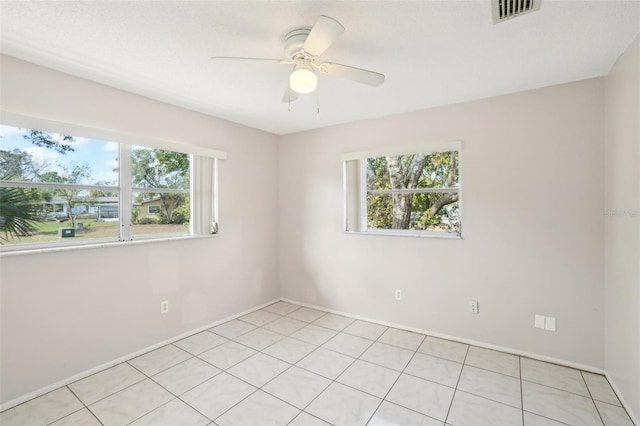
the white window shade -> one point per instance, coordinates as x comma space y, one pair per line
204, 215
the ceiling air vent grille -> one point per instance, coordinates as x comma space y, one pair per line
507, 9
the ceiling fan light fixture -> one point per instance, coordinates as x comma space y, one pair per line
303, 80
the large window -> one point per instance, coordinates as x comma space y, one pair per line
58, 189
406, 192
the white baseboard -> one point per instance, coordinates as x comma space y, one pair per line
626, 406
82, 375
552, 360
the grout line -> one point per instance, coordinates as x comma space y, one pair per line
342, 372
545, 417
591, 396
84, 406
562, 390
397, 378
457, 383
282, 372
308, 414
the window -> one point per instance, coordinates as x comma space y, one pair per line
57, 190
407, 192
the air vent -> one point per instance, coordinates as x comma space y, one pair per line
507, 9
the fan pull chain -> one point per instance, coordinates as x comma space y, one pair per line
318, 102
289, 98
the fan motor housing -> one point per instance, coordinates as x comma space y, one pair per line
294, 41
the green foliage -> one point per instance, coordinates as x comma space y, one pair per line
18, 165
181, 213
73, 173
428, 211
380, 207
17, 214
156, 168
45, 140
148, 221
96, 193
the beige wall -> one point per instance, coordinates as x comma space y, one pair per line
107, 304
622, 224
533, 227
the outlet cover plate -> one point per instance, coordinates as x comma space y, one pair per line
550, 324
398, 294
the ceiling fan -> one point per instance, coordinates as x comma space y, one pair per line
303, 46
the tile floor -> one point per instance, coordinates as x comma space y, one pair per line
291, 365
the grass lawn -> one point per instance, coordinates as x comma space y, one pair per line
48, 231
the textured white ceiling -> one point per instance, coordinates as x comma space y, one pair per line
432, 52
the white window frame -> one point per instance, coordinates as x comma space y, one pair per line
354, 182
156, 208
125, 191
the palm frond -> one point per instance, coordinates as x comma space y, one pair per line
17, 214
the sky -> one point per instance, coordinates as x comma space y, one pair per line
100, 155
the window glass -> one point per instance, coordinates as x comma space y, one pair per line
60, 189
160, 213
71, 187
37, 156
156, 210
404, 193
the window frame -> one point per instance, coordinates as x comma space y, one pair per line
358, 181
125, 188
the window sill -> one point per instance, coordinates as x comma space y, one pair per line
7, 251
406, 234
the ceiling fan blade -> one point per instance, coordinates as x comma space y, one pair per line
234, 58
322, 35
289, 95
352, 73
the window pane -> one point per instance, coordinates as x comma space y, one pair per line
59, 215
435, 170
53, 214
37, 156
435, 212
161, 213
157, 168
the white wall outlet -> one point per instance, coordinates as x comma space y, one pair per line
164, 307
550, 323
398, 294
539, 321
473, 306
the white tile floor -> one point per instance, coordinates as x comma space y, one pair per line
288, 365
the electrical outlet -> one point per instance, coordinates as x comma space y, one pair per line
550, 324
398, 294
164, 307
473, 306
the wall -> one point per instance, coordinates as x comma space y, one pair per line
622, 225
65, 312
533, 227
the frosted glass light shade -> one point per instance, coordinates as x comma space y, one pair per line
303, 79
